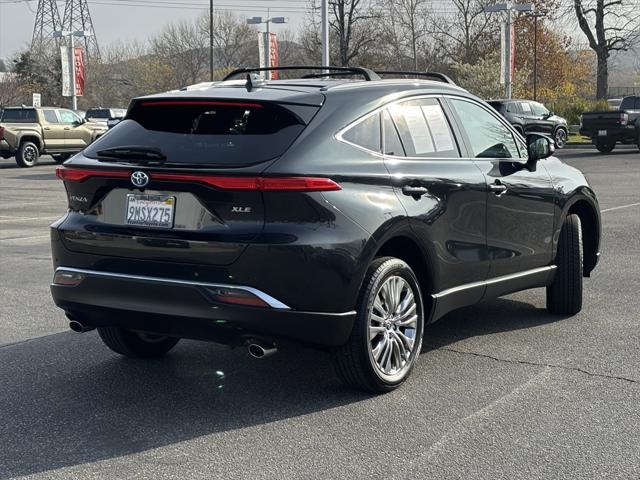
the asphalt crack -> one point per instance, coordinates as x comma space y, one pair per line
536, 364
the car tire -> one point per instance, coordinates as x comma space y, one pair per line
605, 146
27, 155
564, 295
61, 157
136, 344
560, 137
387, 334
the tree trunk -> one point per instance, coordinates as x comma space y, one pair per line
602, 79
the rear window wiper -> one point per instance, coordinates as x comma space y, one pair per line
136, 154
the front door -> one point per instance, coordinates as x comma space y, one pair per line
443, 194
52, 130
520, 201
76, 135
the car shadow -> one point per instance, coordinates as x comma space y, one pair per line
9, 163
66, 400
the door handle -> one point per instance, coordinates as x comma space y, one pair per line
415, 192
67, 128
498, 188
46, 128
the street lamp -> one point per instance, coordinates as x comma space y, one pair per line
72, 35
267, 21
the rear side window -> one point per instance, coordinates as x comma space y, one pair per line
19, 115
215, 133
50, 116
525, 107
424, 129
512, 107
392, 143
365, 134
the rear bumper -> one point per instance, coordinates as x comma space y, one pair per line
613, 133
185, 309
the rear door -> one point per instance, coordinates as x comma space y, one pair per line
179, 180
520, 202
53, 130
442, 193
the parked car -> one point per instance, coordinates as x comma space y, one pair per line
28, 132
527, 116
344, 214
607, 128
101, 114
614, 103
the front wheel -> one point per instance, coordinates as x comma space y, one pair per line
136, 344
387, 335
605, 146
560, 138
564, 295
27, 154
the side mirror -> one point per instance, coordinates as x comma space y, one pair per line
539, 147
550, 114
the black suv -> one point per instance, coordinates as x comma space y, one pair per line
527, 116
342, 213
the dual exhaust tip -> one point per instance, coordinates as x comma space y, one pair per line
257, 348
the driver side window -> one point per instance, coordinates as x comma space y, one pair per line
488, 136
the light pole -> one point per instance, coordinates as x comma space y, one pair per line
508, 7
211, 40
535, 16
71, 35
267, 42
325, 33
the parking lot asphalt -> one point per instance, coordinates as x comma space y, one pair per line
502, 390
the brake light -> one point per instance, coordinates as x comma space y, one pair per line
263, 184
164, 103
624, 118
80, 175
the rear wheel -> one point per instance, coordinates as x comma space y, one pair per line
27, 154
605, 146
387, 335
564, 295
136, 344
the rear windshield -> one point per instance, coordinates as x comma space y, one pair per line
19, 115
216, 133
98, 113
630, 103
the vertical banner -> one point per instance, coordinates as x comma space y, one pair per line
78, 60
503, 53
261, 50
273, 54
67, 68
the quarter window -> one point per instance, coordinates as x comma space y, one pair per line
488, 136
424, 129
365, 134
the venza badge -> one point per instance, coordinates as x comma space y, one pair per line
139, 179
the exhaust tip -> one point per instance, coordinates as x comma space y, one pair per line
259, 350
79, 327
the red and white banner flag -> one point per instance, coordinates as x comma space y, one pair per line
78, 59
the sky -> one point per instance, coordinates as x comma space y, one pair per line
116, 20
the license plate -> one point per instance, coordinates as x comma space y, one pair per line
150, 210
602, 133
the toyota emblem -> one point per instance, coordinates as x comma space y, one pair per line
139, 179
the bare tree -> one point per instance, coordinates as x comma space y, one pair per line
351, 21
609, 25
182, 45
405, 28
465, 32
234, 42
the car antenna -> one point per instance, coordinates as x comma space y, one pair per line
254, 82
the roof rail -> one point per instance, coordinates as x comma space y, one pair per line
438, 76
330, 71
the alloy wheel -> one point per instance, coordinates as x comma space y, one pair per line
393, 324
561, 138
30, 154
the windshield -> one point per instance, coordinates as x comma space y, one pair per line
216, 133
98, 113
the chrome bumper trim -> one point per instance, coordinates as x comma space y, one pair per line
272, 302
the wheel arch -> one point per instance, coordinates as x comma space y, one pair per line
589, 215
28, 137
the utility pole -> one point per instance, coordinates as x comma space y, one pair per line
47, 22
78, 18
211, 40
325, 33
535, 16
507, 41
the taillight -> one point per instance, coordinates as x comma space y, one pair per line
1, 133
236, 297
624, 118
80, 175
263, 184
